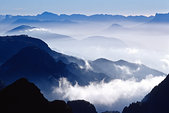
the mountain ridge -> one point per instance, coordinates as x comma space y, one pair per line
160, 18
24, 97
70, 19
154, 102
37, 65
122, 69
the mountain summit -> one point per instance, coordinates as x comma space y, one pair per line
21, 28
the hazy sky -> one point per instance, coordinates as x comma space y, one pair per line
125, 7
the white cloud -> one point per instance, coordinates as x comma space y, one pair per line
87, 65
124, 69
38, 29
138, 62
132, 50
108, 94
165, 61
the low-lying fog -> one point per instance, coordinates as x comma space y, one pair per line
140, 43
134, 42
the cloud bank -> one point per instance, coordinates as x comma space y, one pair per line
114, 95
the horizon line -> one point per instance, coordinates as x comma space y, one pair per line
146, 15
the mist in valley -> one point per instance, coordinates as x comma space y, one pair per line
144, 43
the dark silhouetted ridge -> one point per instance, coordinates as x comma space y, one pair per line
24, 97
111, 112
81, 106
155, 102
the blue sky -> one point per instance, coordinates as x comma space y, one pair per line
125, 7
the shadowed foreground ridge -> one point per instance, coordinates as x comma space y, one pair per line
111, 112
155, 102
24, 97
81, 106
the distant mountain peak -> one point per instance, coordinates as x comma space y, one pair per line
121, 61
116, 25
20, 28
46, 13
102, 59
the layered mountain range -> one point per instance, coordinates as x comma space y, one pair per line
37, 32
26, 56
31, 58
122, 69
47, 17
22, 56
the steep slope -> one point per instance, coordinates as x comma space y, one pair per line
36, 64
31, 61
24, 97
10, 45
2, 85
81, 106
155, 102
122, 69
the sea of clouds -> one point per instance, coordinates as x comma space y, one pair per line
114, 95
